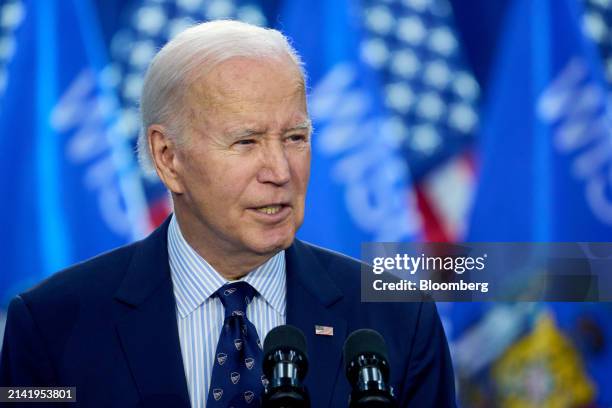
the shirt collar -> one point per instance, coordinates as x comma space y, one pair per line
195, 280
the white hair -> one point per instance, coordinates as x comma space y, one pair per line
199, 49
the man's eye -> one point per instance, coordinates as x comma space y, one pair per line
296, 138
245, 142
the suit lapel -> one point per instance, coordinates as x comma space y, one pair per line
148, 329
149, 334
312, 299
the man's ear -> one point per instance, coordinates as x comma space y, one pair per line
164, 155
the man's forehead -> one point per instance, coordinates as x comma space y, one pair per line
247, 129
239, 76
246, 96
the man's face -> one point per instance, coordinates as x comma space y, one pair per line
244, 169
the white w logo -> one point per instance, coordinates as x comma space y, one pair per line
577, 105
367, 162
96, 141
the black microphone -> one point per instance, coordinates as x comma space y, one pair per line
285, 364
367, 370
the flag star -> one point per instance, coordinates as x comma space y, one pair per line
176, 25
150, 19
132, 86
411, 30
11, 15
442, 41
404, 63
462, 117
594, 26
399, 96
379, 19
219, 9
437, 74
417, 5
252, 15
425, 139
142, 53
430, 106
189, 6
375, 52
465, 86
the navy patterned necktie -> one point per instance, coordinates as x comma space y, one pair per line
237, 379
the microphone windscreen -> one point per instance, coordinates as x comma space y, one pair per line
364, 341
285, 337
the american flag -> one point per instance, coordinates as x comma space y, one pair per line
12, 14
597, 24
434, 98
427, 88
324, 330
147, 27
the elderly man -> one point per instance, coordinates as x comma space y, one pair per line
178, 318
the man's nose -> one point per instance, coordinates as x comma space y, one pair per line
275, 165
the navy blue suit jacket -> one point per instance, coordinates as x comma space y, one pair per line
108, 326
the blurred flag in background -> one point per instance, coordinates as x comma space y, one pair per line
71, 184
544, 154
434, 120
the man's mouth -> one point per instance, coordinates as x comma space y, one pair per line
270, 209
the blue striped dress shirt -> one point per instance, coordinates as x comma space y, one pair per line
200, 316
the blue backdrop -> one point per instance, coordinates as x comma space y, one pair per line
434, 120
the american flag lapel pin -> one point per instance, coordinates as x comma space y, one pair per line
324, 330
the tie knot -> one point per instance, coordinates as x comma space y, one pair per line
235, 298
